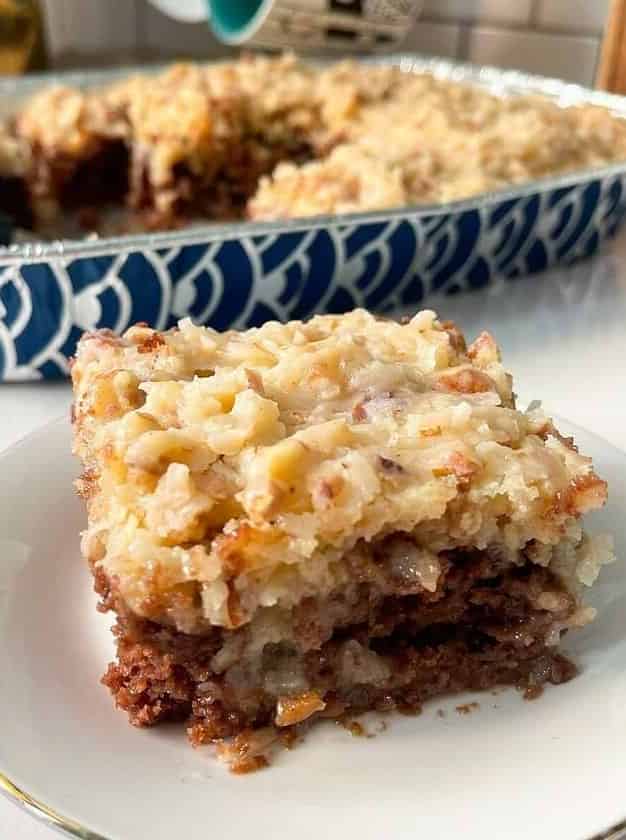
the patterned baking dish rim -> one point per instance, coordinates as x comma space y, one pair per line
242, 274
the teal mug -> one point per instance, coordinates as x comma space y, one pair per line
345, 25
321, 25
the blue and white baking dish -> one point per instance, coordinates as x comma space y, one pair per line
239, 275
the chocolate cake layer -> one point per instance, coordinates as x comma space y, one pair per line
479, 628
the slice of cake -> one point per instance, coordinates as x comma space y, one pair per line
312, 519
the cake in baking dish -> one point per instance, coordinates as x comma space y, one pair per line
310, 520
273, 138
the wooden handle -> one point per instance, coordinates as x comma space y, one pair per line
611, 74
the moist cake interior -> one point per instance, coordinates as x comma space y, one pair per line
225, 196
15, 202
101, 179
385, 642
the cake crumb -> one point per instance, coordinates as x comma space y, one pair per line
249, 765
532, 692
410, 711
355, 728
441, 713
467, 708
290, 738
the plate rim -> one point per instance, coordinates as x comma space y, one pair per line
70, 827
45, 814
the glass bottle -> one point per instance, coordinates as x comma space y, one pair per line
21, 37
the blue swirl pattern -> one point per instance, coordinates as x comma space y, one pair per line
385, 266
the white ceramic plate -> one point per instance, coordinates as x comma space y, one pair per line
552, 769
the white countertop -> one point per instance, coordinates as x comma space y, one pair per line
562, 334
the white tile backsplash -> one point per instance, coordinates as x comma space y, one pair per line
573, 14
175, 39
508, 11
434, 39
554, 37
88, 28
563, 56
